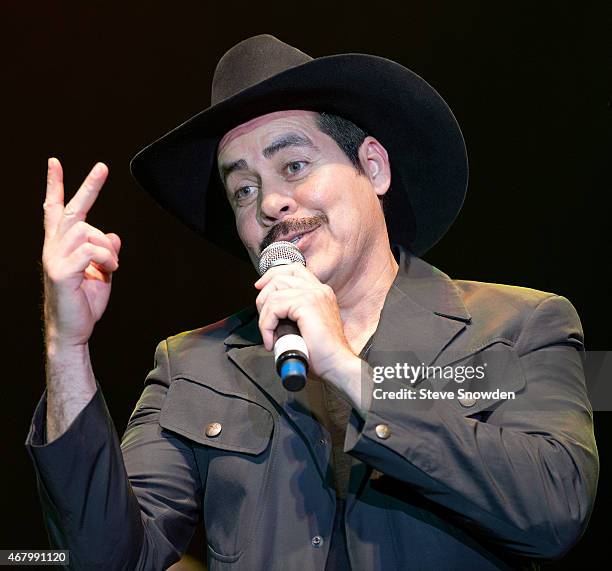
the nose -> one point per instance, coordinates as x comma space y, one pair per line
276, 204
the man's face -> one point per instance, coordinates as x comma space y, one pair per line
284, 177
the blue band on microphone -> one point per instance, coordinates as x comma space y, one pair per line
293, 374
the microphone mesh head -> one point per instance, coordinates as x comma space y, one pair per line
278, 254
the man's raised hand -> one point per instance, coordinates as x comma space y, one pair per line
78, 259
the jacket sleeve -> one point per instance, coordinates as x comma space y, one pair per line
131, 505
526, 478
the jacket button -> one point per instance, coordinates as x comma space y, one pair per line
317, 541
213, 429
467, 402
382, 431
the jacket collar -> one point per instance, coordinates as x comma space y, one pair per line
422, 313
427, 286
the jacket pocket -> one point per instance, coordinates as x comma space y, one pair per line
207, 416
233, 446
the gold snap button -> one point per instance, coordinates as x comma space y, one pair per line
213, 429
382, 431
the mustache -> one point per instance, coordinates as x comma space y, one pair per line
292, 225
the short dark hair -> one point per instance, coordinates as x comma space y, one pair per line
347, 135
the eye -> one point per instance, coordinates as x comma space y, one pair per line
295, 166
243, 193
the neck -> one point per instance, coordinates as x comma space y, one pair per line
362, 296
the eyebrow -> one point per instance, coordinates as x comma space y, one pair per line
229, 168
287, 140
284, 141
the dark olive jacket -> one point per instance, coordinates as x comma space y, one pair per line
468, 483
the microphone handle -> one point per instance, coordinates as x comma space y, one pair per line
286, 327
290, 355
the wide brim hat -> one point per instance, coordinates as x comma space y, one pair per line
260, 75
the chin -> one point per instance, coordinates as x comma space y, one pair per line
322, 272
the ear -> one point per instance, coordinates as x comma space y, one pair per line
375, 162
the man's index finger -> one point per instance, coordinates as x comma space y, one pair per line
83, 200
54, 199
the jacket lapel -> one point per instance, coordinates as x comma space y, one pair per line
245, 349
423, 312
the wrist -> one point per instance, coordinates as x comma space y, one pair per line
56, 347
346, 376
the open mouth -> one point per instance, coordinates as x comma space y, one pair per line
297, 239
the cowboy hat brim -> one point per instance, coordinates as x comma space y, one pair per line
411, 120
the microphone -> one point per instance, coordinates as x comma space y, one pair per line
290, 351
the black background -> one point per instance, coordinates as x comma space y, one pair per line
528, 83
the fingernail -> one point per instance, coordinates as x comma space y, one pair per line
97, 170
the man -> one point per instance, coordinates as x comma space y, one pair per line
340, 155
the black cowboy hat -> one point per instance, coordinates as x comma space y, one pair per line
429, 167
